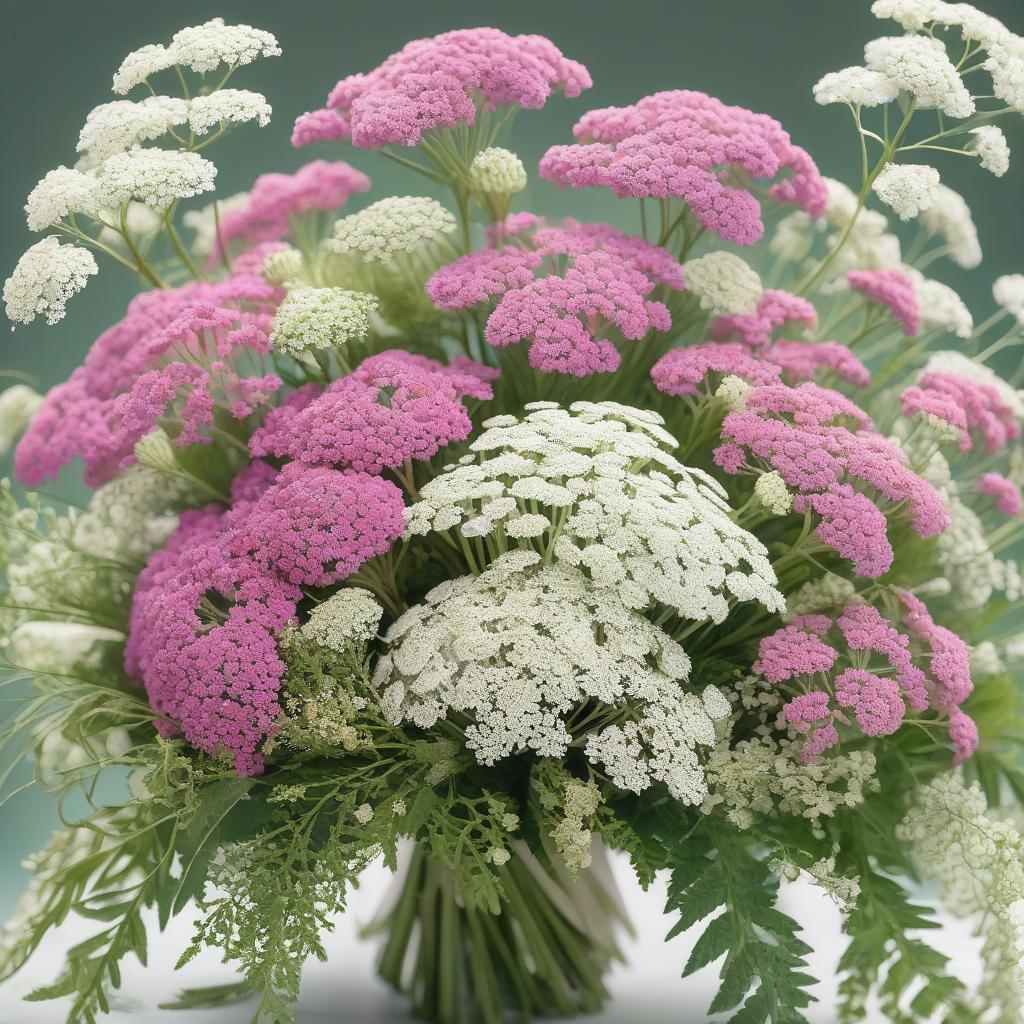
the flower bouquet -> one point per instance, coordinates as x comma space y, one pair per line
489, 543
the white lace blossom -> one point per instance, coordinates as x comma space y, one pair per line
992, 148
114, 127
857, 85
907, 188
62, 192
235, 105
519, 648
723, 282
47, 275
352, 615
139, 65
283, 266
912, 15
827, 592
497, 171
156, 177
620, 508
920, 65
18, 404
205, 47
204, 220
793, 237
390, 227
869, 243
57, 646
321, 318
771, 491
940, 306
979, 861
1008, 291
950, 217
1005, 64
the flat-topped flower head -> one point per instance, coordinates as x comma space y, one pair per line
1005, 64
907, 189
518, 649
855, 85
444, 81
682, 144
201, 48
18, 405
1005, 494
921, 66
156, 177
949, 217
61, 192
813, 360
992, 148
684, 370
227, 106
321, 318
775, 309
599, 491
349, 617
941, 308
1008, 291
723, 282
394, 407
892, 288
596, 282
46, 276
276, 198
121, 124
391, 227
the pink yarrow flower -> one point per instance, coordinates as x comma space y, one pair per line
441, 82
893, 288
775, 309
1003, 492
682, 144
939, 405
984, 409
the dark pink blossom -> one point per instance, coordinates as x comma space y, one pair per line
804, 360
983, 407
442, 82
875, 701
793, 651
893, 288
680, 371
963, 734
775, 309
1003, 492
931, 402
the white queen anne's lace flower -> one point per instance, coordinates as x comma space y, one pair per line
352, 615
1008, 291
620, 508
497, 171
920, 66
517, 649
227, 105
47, 275
907, 188
57, 646
950, 217
724, 282
114, 127
913, 15
204, 220
205, 47
156, 177
992, 148
18, 404
771, 491
857, 85
940, 306
390, 227
1005, 64
321, 318
139, 65
62, 192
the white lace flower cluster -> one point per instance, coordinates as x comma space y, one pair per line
1008, 291
122, 124
825, 593
514, 653
201, 48
203, 222
771, 491
594, 487
321, 318
992, 148
351, 616
59, 647
920, 65
941, 308
949, 217
979, 861
391, 227
907, 189
723, 282
18, 404
46, 276
497, 171
856, 85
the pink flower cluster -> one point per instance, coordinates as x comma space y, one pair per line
893, 288
172, 361
969, 405
686, 145
209, 606
1004, 493
799, 432
876, 699
394, 407
441, 82
276, 198
565, 317
775, 309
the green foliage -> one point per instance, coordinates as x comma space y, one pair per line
762, 976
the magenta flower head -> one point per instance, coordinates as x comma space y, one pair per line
276, 198
935, 405
394, 407
892, 288
442, 82
684, 144
681, 371
203, 641
181, 353
806, 360
983, 406
594, 281
1005, 494
774, 310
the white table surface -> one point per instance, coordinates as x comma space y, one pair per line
345, 990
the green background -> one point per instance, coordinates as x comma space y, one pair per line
57, 57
